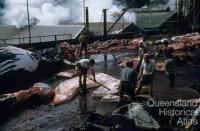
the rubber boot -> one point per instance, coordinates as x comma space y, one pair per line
85, 89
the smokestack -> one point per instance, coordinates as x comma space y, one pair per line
29, 26
105, 23
87, 17
179, 13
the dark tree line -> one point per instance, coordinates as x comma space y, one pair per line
139, 3
1, 3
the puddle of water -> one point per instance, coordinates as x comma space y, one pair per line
100, 57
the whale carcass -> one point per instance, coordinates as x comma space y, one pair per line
15, 62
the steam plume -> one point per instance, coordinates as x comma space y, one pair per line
52, 12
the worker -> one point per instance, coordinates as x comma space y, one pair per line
142, 50
169, 63
83, 44
82, 67
167, 51
128, 81
142, 47
146, 73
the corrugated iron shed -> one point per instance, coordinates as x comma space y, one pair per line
47, 32
157, 19
97, 27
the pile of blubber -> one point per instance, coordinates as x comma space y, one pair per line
39, 91
100, 47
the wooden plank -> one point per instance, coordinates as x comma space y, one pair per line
110, 82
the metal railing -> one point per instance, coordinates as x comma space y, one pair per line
36, 39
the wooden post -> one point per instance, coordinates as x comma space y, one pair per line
194, 15
105, 60
5, 41
105, 23
87, 17
55, 38
29, 26
40, 39
84, 12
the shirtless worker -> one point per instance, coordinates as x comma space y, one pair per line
83, 44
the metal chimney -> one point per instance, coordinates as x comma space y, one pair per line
87, 17
105, 23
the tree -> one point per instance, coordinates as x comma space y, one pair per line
137, 3
140, 3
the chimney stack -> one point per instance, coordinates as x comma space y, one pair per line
105, 23
87, 17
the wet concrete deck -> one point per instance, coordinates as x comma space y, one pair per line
49, 118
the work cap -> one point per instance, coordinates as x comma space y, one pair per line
147, 56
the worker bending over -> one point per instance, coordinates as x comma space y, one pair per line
83, 44
128, 81
146, 73
82, 67
169, 63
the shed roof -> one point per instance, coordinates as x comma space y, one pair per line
97, 27
65, 32
157, 18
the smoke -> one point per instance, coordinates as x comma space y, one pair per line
130, 17
52, 12
172, 4
114, 12
96, 7
46, 11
